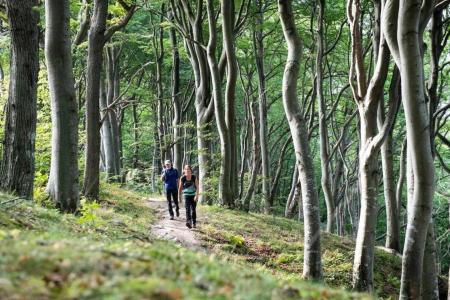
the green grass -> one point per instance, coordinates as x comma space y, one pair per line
275, 244
107, 253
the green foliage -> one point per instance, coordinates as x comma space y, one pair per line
88, 212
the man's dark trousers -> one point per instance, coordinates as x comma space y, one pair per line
172, 194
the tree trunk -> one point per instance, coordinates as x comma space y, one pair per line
225, 190
323, 131
17, 165
230, 94
258, 42
392, 210
96, 42
256, 160
177, 149
63, 181
135, 137
312, 266
405, 44
290, 203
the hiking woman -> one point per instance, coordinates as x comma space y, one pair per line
189, 187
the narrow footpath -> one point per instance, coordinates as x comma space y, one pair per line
173, 230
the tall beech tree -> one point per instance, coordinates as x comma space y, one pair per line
312, 263
17, 164
403, 26
367, 99
63, 180
98, 35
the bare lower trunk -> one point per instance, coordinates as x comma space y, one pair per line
94, 66
262, 108
405, 44
17, 165
392, 210
430, 288
312, 265
227, 12
256, 160
63, 181
177, 149
287, 210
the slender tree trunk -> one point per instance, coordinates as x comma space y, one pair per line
17, 164
107, 134
289, 209
392, 210
258, 42
177, 149
135, 137
63, 181
405, 44
94, 65
312, 266
225, 190
229, 38
323, 131
256, 159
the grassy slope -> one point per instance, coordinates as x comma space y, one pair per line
275, 244
108, 254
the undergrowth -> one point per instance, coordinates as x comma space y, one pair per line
106, 252
275, 244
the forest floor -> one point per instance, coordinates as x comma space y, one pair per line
172, 230
109, 252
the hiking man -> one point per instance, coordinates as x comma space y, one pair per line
170, 177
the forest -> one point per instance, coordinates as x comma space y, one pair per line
319, 132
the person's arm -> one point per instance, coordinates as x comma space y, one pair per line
163, 175
196, 189
180, 187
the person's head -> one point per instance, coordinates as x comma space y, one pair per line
168, 164
187, 170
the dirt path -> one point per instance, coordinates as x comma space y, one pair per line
174, 230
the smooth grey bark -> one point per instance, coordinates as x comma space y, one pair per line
107, 134
392, 210
110, 136
17, 164
229, 39
410, 19
323, 131
135, 159
288, 210
158, 47
62, 185
367, 99
312, 264
225, 189
256, 157
94, 65
258, 44
98, 35
177, 109
191, 25
277, 175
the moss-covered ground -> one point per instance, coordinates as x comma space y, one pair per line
275, 244
106, 252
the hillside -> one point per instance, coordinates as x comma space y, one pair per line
107, 253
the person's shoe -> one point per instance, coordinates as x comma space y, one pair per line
188, 225
178, 213
195, 226
172, 218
